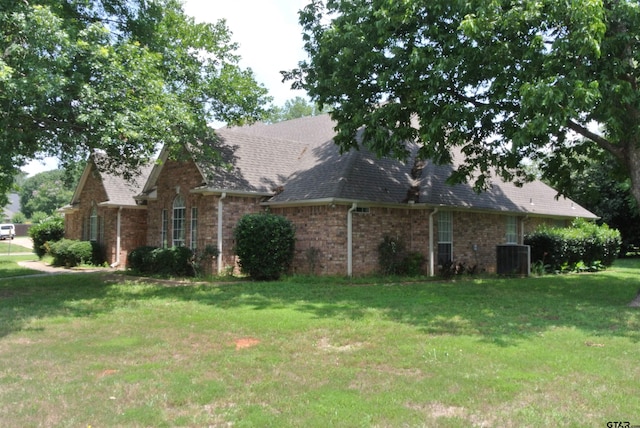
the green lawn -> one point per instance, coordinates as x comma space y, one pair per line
8, 247
86, 349
9, 265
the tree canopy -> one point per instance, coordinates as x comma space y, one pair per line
502, 81
122, 76
293, 109
603, 189
46, 191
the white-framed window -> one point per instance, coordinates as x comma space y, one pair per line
179, 217
194, 228
511, 235
445, 237
164, 231
93, 224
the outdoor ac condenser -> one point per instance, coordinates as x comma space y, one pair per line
513, 259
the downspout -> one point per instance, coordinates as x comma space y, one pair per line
432, 266
118, 223
220, 206
350, 239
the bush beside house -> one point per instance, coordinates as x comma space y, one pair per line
174, 261
265, 245
584, 245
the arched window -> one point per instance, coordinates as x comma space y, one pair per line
179, 215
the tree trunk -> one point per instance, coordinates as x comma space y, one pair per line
633, 164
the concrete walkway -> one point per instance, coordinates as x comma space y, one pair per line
47, 269
42, 267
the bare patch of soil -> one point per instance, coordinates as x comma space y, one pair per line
246, 342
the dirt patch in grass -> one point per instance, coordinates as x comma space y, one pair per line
107, 372
246, 342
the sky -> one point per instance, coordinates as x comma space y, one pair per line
269, 39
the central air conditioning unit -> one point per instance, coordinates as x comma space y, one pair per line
513, 259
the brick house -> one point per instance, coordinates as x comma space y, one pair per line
341, 204
103, 209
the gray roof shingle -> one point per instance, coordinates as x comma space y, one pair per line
298, 162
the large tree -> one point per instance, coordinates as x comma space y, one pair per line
503, 80
45, 192
122, 76
603, 188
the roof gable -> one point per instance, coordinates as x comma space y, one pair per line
119, 191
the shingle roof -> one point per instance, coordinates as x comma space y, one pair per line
532, 198
120, 191
298, 162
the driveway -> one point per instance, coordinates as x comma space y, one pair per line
23, 241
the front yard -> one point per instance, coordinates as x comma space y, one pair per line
100, 350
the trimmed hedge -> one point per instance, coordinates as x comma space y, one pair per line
265, 245
583, 244
49, 230
70, 252
174, 261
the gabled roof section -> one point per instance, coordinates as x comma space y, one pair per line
120, 191
357, 175
296, 162
251, 163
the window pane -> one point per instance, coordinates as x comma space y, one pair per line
512, 230
165, 227
93, 225
445, 253
445, 227
194, 228
178, 221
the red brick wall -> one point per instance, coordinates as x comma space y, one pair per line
182, 177
133, 221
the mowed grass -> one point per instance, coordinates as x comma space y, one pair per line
8, 247
85, 349
9, 266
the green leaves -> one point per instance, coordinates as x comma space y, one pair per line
504, 80
121, 76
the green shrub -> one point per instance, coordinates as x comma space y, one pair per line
174, 261
394, 259
140, 259
50, 230
391, 253
39, 217
265, 245
202, 259
18, 218
69, 252
583, 246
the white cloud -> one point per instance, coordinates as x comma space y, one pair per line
268, 33
40, 165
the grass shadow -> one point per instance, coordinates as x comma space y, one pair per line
496, 310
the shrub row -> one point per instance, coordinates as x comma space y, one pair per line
70, 252
174, 261
582, 244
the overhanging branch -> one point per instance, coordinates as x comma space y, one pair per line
598, 139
